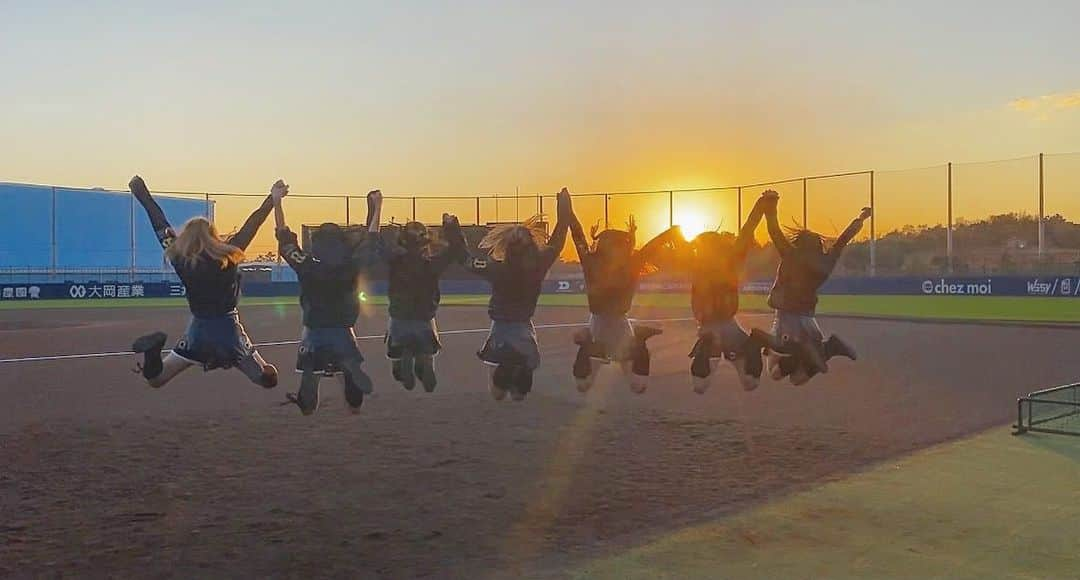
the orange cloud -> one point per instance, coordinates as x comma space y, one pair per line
1043, 106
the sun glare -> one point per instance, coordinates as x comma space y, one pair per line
691, 223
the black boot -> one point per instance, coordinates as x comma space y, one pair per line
752, 353
150, 346
835, 346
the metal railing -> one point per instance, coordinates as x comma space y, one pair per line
1055, 410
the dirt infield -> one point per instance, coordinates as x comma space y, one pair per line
105, 476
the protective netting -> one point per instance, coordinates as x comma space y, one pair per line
707, 210
395, 209
429, 211
911, 211
995, 211
995, 217
791, 212
231, 211
650, 211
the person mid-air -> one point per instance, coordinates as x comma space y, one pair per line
515, 259
208, 267
798, 348
415, 263
714, 262
328, 272
612, 268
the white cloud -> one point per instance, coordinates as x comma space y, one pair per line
1044, 106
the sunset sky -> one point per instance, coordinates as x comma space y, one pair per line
478, 97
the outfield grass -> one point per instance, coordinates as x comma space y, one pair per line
993, 506
1014, 309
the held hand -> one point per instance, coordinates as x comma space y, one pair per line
137, 184
631, 224
449, 219
279, 190
866, 214
564, 203
375, 195
771, 199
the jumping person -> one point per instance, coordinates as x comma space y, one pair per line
415, 262
715, 262
516, 259
612, 269
328, 272
207, 266
806, 262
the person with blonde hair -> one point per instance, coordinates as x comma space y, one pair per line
515, 259
612, 269
797, 347
328, 272
208, 267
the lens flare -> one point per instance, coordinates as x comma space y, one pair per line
691, 223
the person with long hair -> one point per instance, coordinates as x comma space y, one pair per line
714, 262
514, 259
207, 266
612, 269
797, 347
329, 272
415, 263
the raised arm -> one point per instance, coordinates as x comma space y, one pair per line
455, 239
242, 238
577, 233
746, 233
564, 216
158, 221
669, 237
772, 221
373, 248
374, 210
277, 192
849, 234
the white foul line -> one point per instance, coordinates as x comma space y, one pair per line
289, 342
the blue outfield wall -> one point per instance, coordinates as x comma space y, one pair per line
1064, 287
46, 228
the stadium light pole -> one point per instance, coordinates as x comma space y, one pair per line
949, 231
671, 209
738, 218
1042, 209
805, 220
873, 229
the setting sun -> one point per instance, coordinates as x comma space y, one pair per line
691, 222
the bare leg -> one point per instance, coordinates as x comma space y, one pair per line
425, 371
748, 381
172, 365
258, 370
498, 393
308, 397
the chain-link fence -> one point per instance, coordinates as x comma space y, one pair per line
1000, 217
